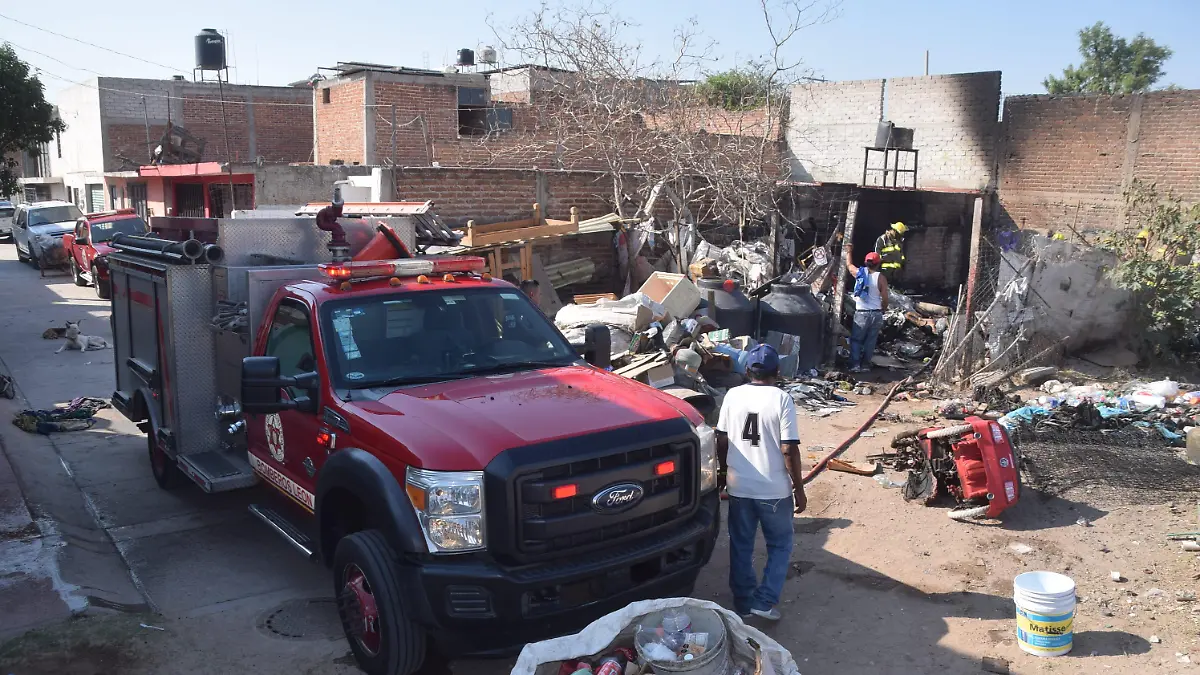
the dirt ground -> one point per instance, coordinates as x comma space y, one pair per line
878, 586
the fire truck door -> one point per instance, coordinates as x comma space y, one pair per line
283, 446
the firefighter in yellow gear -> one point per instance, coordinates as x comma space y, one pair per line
890, 247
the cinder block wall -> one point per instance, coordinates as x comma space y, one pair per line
954, 118
955, 123
829, 125
1066, 160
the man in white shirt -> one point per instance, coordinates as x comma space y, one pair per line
757, 437
871, 296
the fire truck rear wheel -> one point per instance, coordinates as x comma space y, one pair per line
102, 288
166, 474
383, 638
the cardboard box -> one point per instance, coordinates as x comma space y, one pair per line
661, 376
703, 268
674, 292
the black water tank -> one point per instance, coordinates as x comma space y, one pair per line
733, 310
792, 309
466, 57
210, 50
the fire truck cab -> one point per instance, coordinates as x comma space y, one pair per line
418, 427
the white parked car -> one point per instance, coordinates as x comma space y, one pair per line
41, 225
6, 218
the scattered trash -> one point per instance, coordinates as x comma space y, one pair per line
1020, 549
146, 625
1116, 576
1083, 522
886, 482
75, 416
1185, 596
1155, 593
1154, 639
867, 434
1190, 546
1182, 658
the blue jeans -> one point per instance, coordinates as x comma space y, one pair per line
745, 515
863, 336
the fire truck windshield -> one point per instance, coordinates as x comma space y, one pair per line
430, 336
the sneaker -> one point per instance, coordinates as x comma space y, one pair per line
769, 614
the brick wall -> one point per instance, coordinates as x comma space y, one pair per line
128, 141
494, 195
829, 125
954, 119
1065, 160
202, 118
339, 132
283, 130
274, 123
435, 104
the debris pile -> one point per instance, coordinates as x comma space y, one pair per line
1162, 408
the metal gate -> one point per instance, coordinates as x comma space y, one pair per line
95, 198
137, 197
189, 200
218, 198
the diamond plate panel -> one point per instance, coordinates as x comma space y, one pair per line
295, 238
191, 348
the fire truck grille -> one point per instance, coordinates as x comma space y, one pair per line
549, 523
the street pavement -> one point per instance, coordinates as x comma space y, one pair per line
94, 532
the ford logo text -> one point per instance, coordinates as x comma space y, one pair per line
617, 498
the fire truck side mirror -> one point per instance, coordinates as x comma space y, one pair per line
262, 386
597, 346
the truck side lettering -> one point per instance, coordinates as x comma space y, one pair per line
288, 486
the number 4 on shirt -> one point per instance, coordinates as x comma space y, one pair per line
750, 431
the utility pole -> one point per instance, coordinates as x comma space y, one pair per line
926, 63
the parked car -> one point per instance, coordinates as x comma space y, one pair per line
88, 246
6, 219
41, 225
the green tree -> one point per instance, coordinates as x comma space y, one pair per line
1111, 64
736, 89
27, 120
1155, 255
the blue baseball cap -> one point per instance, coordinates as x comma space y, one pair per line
763, 358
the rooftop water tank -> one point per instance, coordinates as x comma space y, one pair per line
731, 308
466, 57
792, 309
210, 50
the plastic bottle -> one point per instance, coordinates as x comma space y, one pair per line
612, 665
886, 482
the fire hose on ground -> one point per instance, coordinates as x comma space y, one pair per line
845, 445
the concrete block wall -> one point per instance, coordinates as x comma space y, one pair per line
954, 118
955, 123
1066, 160
829, 125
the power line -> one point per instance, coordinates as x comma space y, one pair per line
141, 94
92, 44
34, 51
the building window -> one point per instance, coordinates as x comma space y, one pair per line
484, 121
325, 95
112, 197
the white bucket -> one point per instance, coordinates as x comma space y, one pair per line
1045, 612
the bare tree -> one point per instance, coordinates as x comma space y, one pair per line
601, 103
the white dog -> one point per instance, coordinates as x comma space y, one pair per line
77, 340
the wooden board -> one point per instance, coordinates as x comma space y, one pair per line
591, 298
550, 301
475, 239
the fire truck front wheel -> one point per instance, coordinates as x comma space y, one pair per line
166, 474
382, 635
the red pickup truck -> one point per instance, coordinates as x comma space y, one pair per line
87, 247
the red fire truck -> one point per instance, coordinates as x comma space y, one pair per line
418, 427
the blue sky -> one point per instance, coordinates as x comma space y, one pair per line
275, 42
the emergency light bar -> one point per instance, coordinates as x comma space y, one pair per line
407, 267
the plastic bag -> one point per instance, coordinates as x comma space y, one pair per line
543, 658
